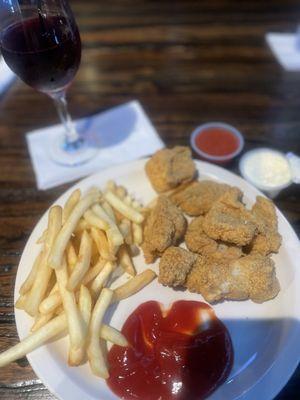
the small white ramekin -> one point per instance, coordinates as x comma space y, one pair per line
212, 158
272, 191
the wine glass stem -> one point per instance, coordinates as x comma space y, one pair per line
72, 139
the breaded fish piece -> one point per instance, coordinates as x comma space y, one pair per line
265, 244
197, 198
174, 266
169, 168
268, 240
265, 213
165, 226
228, 220
209, 278
250, 277
197, 241
258, 274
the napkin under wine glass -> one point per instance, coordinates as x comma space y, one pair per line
122, 134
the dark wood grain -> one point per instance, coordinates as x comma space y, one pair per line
187, 62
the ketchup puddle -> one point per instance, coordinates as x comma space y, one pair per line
182, 353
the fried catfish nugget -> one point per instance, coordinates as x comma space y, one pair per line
165, 226
197, 198
169, 168
174, 266
268, 240
228, 220
250, 277
197, 241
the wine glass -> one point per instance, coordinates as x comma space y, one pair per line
40, 42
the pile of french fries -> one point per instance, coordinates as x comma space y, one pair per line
68, 288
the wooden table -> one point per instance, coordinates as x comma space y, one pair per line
187, 62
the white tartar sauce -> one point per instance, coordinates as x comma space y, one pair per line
266, 168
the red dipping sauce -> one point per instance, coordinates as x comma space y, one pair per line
217, 142
173, 354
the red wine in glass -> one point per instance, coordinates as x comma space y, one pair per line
44, 53
40, 41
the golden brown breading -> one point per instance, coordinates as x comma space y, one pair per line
268, 240
265, 213
165, 226
258, 273
197, 198
264, 244
174, 266
251, 277
228, 220
198, 241
168, 168
209, 277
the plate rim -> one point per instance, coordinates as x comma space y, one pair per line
128, 167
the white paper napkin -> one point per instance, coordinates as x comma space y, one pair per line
6, 75
286, 49
124, 133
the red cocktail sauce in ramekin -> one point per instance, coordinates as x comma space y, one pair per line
217, 142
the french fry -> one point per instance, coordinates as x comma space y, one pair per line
47, 305
21, 302
137, 231
52, 286
85, 305
94, 189
125, 228
94, 271
50, 303
134, 285
95, 254
59, 310
83, 263
125, 260
94, 351
123, 208
74, 318
121, 192
102, 244
71, 203
109, 211
118, 216
101, 278
127, 200
111, 185
71, 256
43, 276
34, 340
64, 235
113, 233
27, 284
81, 226
93, 219
41, 320
42, 238
112, 335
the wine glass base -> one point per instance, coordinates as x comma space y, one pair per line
73, 154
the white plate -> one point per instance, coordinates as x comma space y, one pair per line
265, 336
